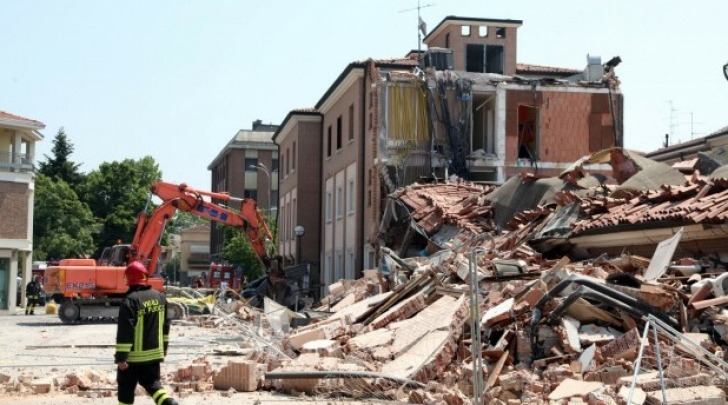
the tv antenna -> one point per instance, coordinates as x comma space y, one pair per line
421, 26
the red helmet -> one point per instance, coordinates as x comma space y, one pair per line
135, 274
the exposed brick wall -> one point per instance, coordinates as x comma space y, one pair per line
571, 124
13, 210
458, 44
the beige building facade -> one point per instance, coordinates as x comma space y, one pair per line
18, 137
194, 251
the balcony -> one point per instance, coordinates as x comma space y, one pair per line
16, 162
197, 259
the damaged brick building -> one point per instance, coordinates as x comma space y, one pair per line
465, 106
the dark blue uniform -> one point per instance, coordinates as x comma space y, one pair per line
142, 337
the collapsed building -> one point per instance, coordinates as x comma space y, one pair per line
497, 298
465, 107
492, 295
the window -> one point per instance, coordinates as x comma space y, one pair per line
351, 122
293, 157
339, 268
447, 40
528, 132
294, 220
483, 31
289, 221
288, 160
494, 59
339, 202
483, 128
465, 30
474, 58
274, 165
282, 223
328, 143
500, 32
328, 276
274, 199
251, 164
350, 191
251, 193
328, 206
484, 58
338, 133
350, 264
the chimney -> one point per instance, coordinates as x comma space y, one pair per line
594, 68
256, 124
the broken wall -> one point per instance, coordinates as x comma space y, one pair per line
570, 124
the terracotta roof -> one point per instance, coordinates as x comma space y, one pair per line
7, 116
701, 200
528, 68
433, 205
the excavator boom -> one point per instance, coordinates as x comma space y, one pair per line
89, 288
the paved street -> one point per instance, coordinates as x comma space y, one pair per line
41, 347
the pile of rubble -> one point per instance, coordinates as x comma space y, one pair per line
601, 330
497, 295
584, 346
88, 383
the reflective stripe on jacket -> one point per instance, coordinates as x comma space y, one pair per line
143, 328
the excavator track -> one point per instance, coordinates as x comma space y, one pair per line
85, 311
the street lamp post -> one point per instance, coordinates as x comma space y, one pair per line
265, 170
299, 230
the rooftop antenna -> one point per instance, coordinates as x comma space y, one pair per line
421, 27
673, 124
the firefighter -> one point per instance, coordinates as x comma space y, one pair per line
142, 337
32, 295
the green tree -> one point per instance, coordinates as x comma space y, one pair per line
184, 220
117, 192
59, 166
63, 224
239, 251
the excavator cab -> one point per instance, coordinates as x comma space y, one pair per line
117, 255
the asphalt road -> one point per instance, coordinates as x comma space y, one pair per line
42, 347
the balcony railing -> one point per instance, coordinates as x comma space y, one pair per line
16, 162
199, 259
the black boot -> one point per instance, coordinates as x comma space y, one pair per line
170, 401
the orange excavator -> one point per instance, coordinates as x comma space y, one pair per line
89, 289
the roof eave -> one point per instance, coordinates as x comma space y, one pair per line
24, 124
452, 18
289, 117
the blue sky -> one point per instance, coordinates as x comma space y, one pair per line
177, 79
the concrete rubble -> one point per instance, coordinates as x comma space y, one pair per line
561, 318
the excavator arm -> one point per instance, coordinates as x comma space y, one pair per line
150, 226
